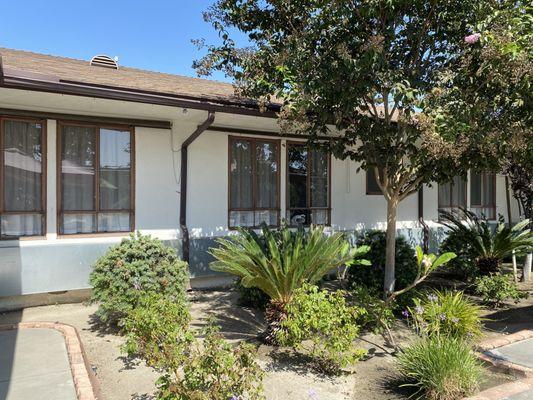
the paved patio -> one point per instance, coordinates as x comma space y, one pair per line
34, 364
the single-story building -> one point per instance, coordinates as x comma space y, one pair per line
91, 151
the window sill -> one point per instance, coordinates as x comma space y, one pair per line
93, 235
255, 228
15, 242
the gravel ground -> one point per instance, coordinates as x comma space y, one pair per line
287, 375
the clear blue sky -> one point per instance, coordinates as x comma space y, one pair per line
154, 35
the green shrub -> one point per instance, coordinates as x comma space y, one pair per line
377, 313
322, 324
210, 369
487, 245
157, 331
464, 265
251, 296
495, 289
381, 309
373, 275
280, 261
214, 370
137, 266
447, 314
440, 367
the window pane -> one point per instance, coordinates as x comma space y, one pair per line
459, 192
475, 189
445, 195
490, 190
241, 218
371, 182
299, 217
483, 194
269, 217
267, 175
319, 217
452, 194
241, 174
115, 170
297, 164
319, 179
113, 222
488, 212
78, 223
22, 166
77, 168
21, 225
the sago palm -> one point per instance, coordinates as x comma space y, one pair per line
488, 246
280, 261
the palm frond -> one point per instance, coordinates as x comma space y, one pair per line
280, 261
488, 243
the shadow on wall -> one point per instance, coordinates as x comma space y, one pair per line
413, 236
199, 258
10, 282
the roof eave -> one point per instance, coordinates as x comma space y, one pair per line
138, 96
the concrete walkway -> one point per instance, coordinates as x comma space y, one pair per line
34, 365
520, 353
528, 395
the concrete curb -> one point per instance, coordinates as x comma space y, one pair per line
502, 365
84, 380
504, 391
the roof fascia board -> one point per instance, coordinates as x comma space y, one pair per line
115, 93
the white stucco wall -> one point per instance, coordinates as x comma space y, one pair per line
207, 212
156, 182
52, 263
158, 169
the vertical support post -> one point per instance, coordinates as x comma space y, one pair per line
52, 158
425, 227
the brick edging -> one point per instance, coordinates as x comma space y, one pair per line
79, 367
502, 365
504, 391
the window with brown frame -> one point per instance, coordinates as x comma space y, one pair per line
372, 187
22, 177
95, 178
483, 194
452, 195
308, 185
254, 176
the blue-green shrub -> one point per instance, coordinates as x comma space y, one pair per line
137, 266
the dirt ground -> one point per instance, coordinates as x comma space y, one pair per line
287, 375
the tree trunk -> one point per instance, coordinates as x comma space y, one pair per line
390, 252
527, 268
515, 268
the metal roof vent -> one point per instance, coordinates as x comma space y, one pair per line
104, 61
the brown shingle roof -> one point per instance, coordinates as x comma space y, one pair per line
69, 69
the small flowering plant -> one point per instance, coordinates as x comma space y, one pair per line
473, 38
446, 313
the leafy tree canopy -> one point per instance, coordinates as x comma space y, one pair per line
366, 68
375, 76
489, 95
